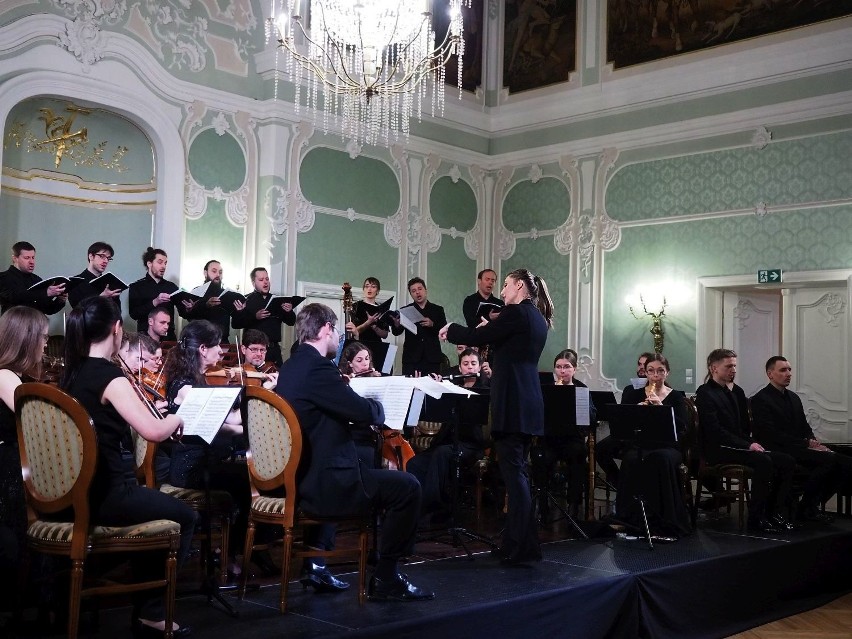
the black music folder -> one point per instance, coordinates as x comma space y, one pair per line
275, 302
644, 426
56, 280
602, 401
563, 414
107, 280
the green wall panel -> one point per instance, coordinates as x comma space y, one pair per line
452, 204
540, 257
337, 250
213, 237
332, 179
451, 278
679, 253
542, 205
795, 171
217, 160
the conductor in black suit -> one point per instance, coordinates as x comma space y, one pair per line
726, 438
331, 479
517, 336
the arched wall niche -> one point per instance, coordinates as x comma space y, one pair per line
141, 108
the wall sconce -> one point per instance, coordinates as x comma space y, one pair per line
656, 322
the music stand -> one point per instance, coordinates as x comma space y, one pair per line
560, 421
643, 427
453, 409
602, 401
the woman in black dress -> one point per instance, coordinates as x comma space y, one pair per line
366, 318
571, 446
517, 337
196, 352
654, 474
92, 338
23, 335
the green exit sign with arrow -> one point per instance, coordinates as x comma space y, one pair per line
769, 276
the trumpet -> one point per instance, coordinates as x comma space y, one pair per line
650, 391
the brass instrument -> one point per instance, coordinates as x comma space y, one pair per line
650, 391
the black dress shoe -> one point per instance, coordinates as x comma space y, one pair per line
781, 522
398, 589
812, 514
764, 525
144, 631
321, 580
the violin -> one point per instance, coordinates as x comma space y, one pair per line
138, 388
246, 375
395, 449
153, 384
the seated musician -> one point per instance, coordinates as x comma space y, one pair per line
569, 447
654, 475
334, 482
93, 335
197, 351
254, 346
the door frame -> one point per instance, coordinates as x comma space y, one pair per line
710, 294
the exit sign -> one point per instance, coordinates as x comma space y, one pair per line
769, 276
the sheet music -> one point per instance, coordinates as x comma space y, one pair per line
398, 395
204, 410
409, 316
390, 356
639, 382
581, 405
201, 290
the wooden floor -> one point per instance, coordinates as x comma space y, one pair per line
832, 621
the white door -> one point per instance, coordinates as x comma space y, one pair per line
752, 328
816, 342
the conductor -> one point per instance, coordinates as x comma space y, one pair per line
333, 481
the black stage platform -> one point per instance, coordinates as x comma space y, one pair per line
712, 584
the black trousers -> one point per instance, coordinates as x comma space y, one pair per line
397, 495
772, 476
826, 472
520, 536
129, 504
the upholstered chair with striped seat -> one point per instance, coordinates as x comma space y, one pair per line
275, 447
221, 504
59, 451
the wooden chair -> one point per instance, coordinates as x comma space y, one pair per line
59, 452
275, 448
732, 480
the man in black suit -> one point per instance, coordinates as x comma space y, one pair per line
210, 307
332, 481
780, 424
421, 352
15, 284
484, 286
725, 437
100, 254
153, 291
254, 314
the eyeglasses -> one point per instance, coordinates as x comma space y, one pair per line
655, 371
104, 256
259, 350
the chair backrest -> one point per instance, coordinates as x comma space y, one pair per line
275, 444
690, 444
58, 446
143, 459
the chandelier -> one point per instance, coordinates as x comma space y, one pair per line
368, 64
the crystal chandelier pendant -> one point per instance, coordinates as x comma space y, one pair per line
368, 65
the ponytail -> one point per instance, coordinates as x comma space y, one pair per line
537, 289
89, 322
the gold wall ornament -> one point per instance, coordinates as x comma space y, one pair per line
63, 143
656, 323
57, 128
